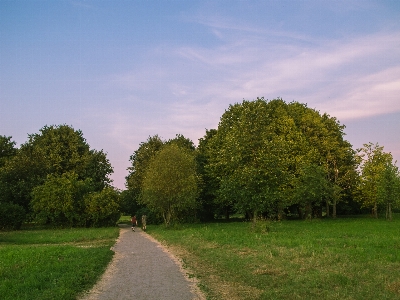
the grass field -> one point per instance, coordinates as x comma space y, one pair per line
53, 263
319, 259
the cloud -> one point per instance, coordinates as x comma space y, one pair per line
185, 88
349, 79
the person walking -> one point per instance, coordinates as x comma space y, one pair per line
144, 220
134, 222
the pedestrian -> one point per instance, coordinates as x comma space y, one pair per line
134, 222
144, 220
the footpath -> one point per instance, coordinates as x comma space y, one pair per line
142, 269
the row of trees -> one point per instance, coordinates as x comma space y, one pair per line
266, 158
55, 178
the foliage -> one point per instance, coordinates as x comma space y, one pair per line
208, 186
129, 202
11, 216
182, 142
326, 147
388, 188
54, 151
376, 168
7, 149
260, 150
102, 208
311, 189
59, 200
140, 160
170, 183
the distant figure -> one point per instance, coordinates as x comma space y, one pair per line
134, 222
144, 219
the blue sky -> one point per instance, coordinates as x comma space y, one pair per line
122, 71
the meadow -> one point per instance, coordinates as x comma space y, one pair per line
352, 258
53, 263
349, 258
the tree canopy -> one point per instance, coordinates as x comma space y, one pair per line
261, 148
379, 179
57, 156
170, 185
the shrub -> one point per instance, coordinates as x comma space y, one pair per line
102, 208
11, 216
59, 201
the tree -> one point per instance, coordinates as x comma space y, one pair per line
311, 189
182, 142
53, 152
253, 156
59, 200
170, 185
208, 185
326, 147
102, 208
388, 188
375, 168
140, 160
259, 153
11, 216
7, 149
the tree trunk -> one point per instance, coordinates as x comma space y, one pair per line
254, 216
334, 209
226, 212
389, 213
300, 212
308, 210
376, 210
327, 209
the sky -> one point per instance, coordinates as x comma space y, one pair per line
122, 71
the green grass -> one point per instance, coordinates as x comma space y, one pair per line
321, 259
53, 263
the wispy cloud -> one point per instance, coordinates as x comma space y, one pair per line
188, 87
348, 79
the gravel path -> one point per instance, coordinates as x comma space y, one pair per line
142, 269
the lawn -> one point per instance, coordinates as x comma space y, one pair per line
53, 263
356, 258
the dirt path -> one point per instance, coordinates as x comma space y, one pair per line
142, 269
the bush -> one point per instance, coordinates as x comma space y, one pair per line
102, 208
59, 201
11, 216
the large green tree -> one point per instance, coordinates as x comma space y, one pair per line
170, 185
253, 156
261, 150
54, 151
140, 160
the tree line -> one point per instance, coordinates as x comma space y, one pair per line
55, 178
266, 159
